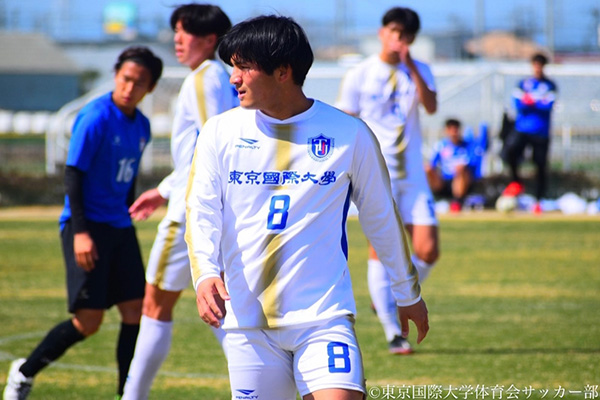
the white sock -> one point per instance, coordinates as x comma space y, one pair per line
422, 268
151, 350
383, 299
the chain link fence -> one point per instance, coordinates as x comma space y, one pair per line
475, 93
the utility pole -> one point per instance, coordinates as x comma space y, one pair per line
550, 28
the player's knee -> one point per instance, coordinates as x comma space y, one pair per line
428, 254
87, 325
131, 311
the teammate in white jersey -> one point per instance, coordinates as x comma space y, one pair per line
205, 92
385, 91
267, 198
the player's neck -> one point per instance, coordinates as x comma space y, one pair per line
293, 105
391, 58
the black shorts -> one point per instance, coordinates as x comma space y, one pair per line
118, 274
516, 142
446, 189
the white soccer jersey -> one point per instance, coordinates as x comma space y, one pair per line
270, 198
386, 98
205, 92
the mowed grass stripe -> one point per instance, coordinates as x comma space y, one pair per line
513, 301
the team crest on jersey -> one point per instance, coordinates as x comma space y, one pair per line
320, 147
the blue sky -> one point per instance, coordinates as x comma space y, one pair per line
574, 21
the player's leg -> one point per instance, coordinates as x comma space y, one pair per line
167, 274
86, 294
153, 342
384, 303
425, 240
328, 361
418, 213
515, 148
461, 183
258, 366
127, 286
131, 312
540, 147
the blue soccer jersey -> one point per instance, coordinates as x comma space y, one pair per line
106, 145
448, 156
533, 100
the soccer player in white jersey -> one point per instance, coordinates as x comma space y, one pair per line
205, 92
267, 198
385, 90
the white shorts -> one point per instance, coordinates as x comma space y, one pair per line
274, 363
168, 265
415, 202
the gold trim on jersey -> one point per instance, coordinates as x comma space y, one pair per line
273, 242
163, 259
201, 98
401, 142
196, 272
271, 269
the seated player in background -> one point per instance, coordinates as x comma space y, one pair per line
451, 170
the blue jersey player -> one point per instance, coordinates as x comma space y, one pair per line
451, 170
102, 256
533, 99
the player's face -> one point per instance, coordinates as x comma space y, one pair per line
453, 132
256, 90
538, 69
132, 82
393, 36
189, 49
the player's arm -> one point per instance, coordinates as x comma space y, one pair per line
83, 245
383, 227
204, 223
146, 204
427, 96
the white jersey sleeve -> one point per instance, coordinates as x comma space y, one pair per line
205, 92
270, 199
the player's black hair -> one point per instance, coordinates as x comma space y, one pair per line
270, 42
452, 122
143, 56
539, 58
405, 16
201, 19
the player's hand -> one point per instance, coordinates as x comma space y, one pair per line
85, 251
210, 301
418, 314
528, 99
146, 204
402, 48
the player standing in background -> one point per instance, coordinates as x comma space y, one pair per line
533, 99
268, 197
205, 92
102, 256
385, 90
451, 169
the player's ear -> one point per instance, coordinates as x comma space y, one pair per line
211, 40
283, 73
151, 87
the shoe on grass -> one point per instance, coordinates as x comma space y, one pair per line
400, 345
18, 385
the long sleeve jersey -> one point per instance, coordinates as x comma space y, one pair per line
205, 92
269, 199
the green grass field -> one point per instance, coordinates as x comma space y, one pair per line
514, 313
